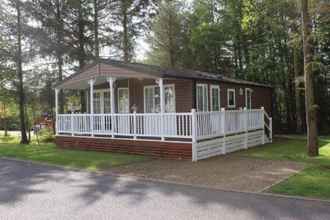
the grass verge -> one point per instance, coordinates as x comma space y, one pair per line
49, 153
313, 181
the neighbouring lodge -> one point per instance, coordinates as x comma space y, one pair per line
170, 113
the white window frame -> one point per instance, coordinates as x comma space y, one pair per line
203, 85
101, 91
153, 100
219, 93
123, 88
246, 97
228, 92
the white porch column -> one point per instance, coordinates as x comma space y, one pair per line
111, 81
56, 111
91, 104
162, 105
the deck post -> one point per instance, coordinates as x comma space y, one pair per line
134, 124
245, 115
72, 128
56, 111
162, 105
111, 81
223, 110
194, 134
91, 117
263, 124
271, 130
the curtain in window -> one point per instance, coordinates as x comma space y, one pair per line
169, 99
152, 99
123, 100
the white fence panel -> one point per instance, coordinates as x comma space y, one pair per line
235, 143
209, 124
255, 138
209, 148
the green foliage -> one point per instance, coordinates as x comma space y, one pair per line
255, 40
46, 135
167, 36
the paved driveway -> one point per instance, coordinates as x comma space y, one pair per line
30, 191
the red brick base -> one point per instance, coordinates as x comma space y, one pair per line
158, 149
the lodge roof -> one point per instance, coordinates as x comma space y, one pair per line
152, 71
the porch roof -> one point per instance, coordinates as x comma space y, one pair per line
105, 68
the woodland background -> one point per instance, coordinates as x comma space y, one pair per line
42, 42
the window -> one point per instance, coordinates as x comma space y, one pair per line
202, 97
248, 98
106, 102
97, 102
152, 99
123, 100
169, 99
101, 101
231, 98
215, 98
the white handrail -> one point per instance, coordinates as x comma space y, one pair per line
187, 125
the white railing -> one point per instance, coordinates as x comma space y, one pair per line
194, 126
215, 124
167, 125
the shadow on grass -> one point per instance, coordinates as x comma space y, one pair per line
20, 179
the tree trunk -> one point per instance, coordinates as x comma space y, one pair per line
81, 27
297, 74
96, 30
125, 32
5, 121
311, 108
59, 52
24, 139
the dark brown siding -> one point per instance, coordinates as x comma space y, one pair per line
185, 93
158, 149
261, 96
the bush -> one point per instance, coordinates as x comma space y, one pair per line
46, 135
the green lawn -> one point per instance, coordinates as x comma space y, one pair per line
314, 181
49, 153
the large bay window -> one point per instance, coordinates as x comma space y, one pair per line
152, 98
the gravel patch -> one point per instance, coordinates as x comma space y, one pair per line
231, 172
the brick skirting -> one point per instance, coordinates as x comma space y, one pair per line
158, 149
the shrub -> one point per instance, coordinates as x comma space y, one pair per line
46, 135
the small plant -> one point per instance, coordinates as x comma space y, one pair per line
46, 135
